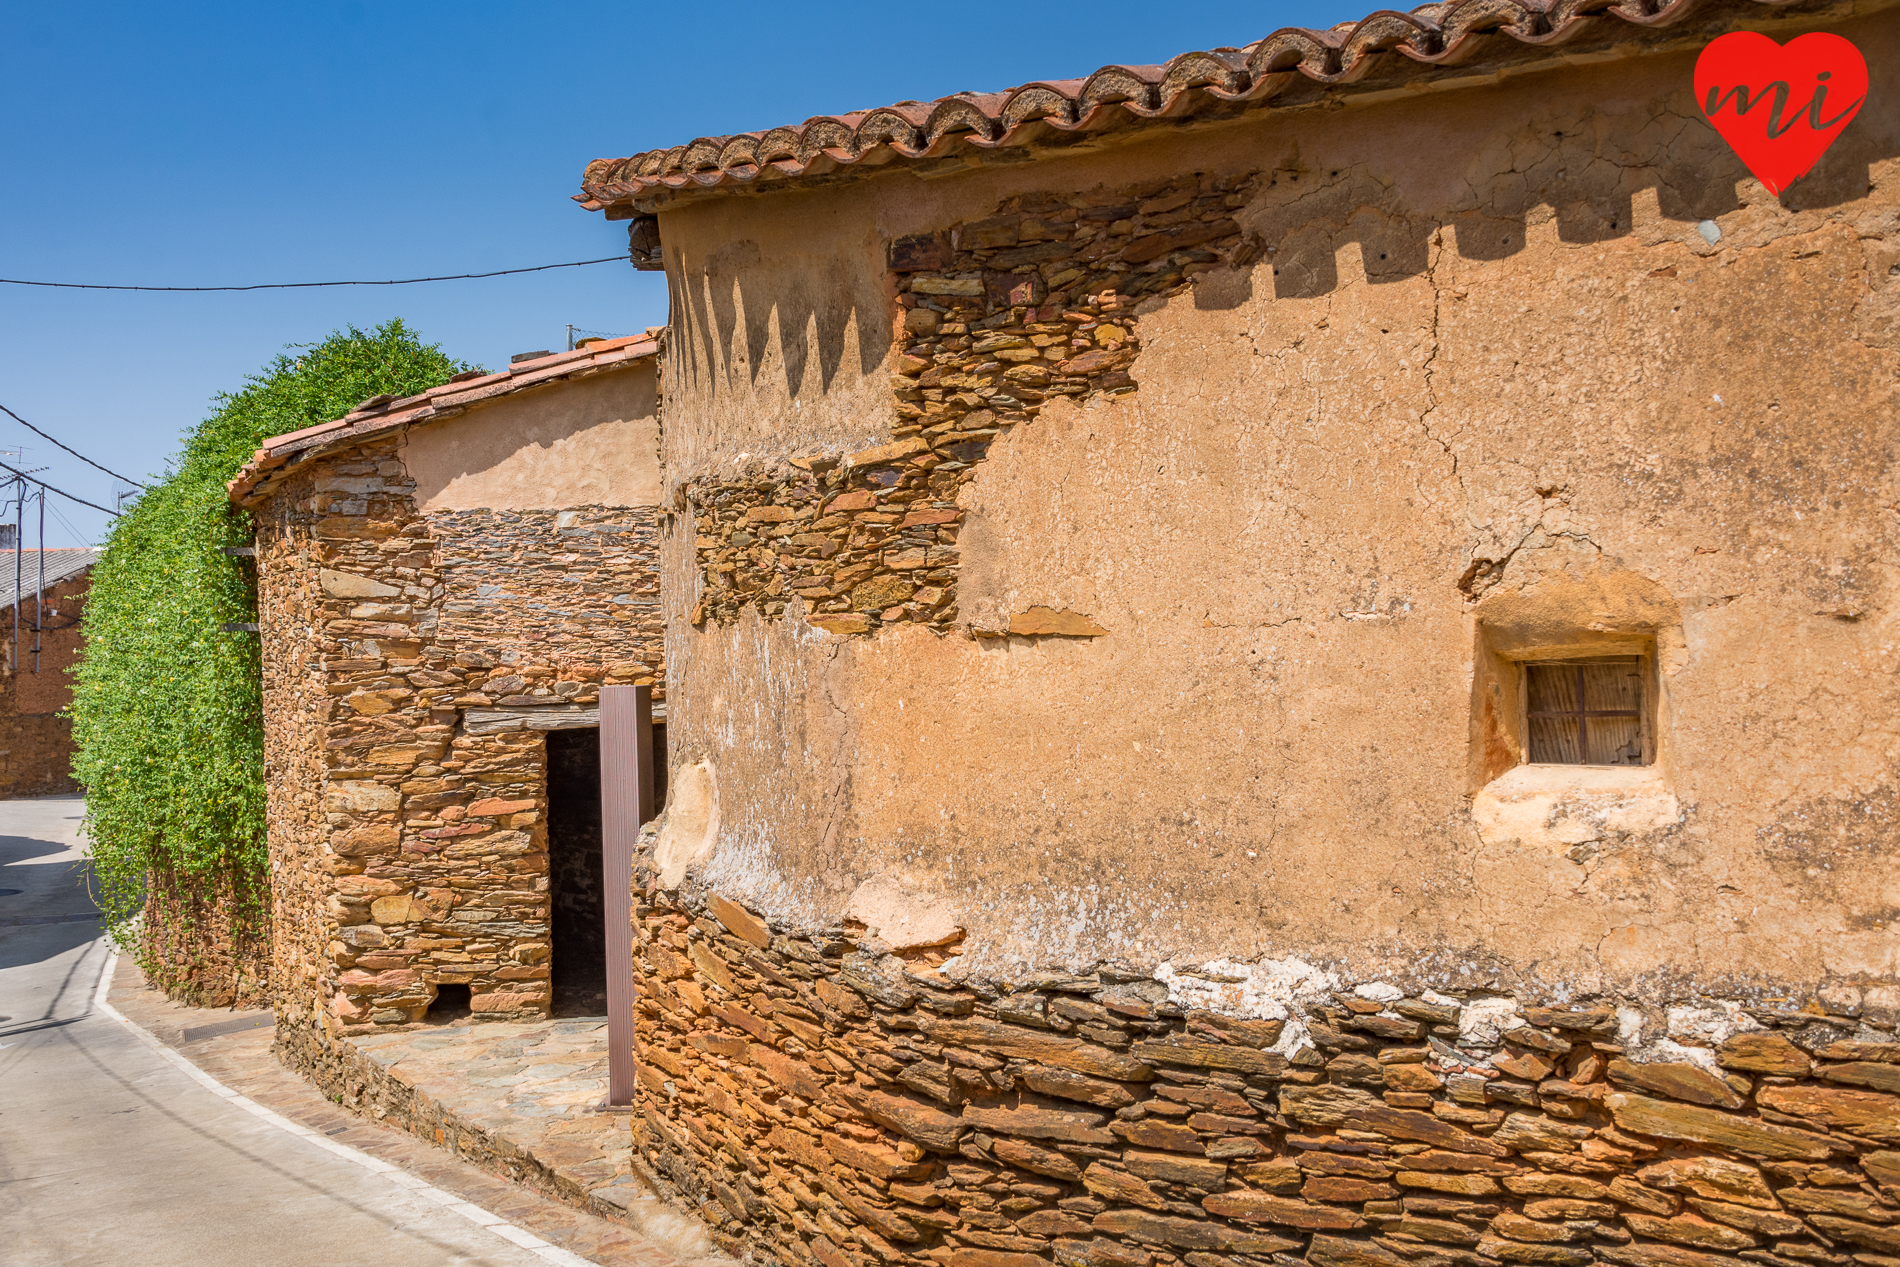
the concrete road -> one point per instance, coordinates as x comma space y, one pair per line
111, 1155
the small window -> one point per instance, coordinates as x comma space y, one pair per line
1586, 712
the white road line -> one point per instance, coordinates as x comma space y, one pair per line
517, 1236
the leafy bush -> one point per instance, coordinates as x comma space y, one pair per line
166, 708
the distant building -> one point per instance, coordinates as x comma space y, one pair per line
42, 594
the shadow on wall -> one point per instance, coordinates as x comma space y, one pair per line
814, 310
1585, 167
1588, 180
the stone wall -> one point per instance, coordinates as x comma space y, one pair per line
36, 742
818, 1099
205, 940
996, 317
408, 850
297, 706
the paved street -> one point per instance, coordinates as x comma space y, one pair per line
111, 1155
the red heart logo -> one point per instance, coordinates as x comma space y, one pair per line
1779, 106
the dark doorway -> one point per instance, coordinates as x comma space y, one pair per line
574, 866
574, 873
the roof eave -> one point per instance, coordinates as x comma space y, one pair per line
274, 460
1388, 55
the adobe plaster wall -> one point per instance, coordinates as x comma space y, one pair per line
591, 442
1490, 355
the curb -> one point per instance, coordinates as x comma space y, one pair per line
517, 1236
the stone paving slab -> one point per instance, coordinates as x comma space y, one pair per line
475, 1087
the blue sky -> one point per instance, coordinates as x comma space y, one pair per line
226, 144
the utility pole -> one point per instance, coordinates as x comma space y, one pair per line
19, 564
39, 593
16, 488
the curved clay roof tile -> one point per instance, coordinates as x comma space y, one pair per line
1381, 33
960, 115
890, 127
1046, 102
1567, 18
825, 133
1647, 13
1437, 34
739, 151
704, 154
1473, 25
1309, 52
777, 146
1136, 87
1221, 69
1483, 17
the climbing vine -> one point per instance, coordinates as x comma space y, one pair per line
167, 712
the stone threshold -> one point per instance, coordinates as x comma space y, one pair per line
516, 1099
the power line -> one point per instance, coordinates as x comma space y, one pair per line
75, 452
67, 524
406, 281
49, 488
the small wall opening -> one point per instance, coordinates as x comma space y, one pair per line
451, 1002
579, 957
1566, 672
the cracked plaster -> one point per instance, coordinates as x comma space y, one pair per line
1487, 344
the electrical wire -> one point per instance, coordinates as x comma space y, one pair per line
75, 452
66, 523
405, 281
14, 470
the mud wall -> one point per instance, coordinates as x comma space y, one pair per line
592, 441
1501, 352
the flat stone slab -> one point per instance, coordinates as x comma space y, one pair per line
514, 1097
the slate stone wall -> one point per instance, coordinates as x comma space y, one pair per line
207, 939
407, 851
817, 1100
996, 317
297, 707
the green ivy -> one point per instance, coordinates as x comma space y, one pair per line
167, 708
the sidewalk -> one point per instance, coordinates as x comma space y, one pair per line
505, 1098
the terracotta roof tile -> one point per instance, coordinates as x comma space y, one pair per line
379, 414
1292, 64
